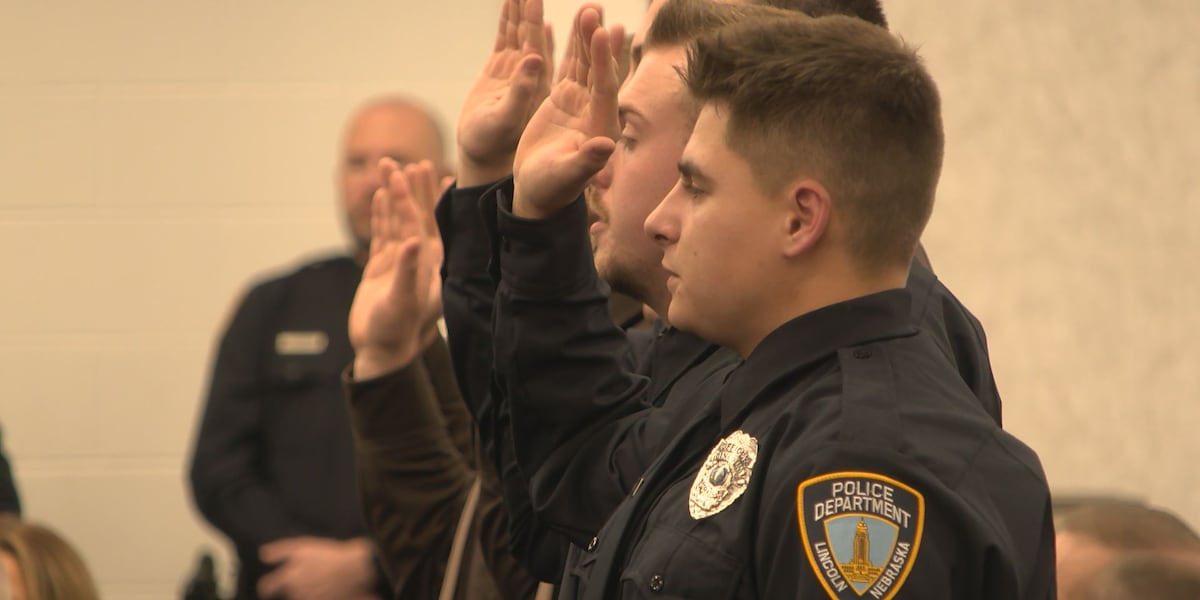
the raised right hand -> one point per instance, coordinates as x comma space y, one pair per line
398, 302
572, 134
514, 81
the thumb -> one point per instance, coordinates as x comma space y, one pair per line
524, 83
589, 159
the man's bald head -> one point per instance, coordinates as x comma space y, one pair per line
395, 127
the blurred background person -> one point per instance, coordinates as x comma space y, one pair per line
273, 464
38, 564
1095, 536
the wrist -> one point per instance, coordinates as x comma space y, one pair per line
473, 172
371, 362
524, 208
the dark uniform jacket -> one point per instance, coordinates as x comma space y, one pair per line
274, 455
599, 425
845, 458
416, 464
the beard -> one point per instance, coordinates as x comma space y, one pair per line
623, 276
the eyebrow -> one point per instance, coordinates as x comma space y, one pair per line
624, 111
689, 170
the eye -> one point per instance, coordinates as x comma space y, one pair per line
690, 188
627, 142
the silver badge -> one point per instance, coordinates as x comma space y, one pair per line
724, 476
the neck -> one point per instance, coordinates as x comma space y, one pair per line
806, 290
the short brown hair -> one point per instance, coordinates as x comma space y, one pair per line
870, 11
837, 100
1127, 526
680, 22
1142, 575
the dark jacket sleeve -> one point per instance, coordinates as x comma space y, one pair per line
509, 529
10, 501
561, 365
412, 474
227, 483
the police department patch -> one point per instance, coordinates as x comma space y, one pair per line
724, 475
861, 532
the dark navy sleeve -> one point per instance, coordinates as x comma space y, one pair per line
465, 221
562, 367
227, 483
957, 333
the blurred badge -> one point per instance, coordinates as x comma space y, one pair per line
300, 342
861, 532
724, 475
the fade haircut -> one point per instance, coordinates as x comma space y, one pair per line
680, 22
870, 11
836, 100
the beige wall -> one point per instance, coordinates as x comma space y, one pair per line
156, 155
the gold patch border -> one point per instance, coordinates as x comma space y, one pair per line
812, 560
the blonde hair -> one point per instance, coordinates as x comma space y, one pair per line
49, 566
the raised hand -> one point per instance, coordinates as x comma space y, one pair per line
514, 81
571, 136
398, 303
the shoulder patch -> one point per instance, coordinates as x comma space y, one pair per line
861, 532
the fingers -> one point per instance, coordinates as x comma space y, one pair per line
616, 38
512, 27
273, 584
278, 551
590, 17
603, 85
533, 30
502, 31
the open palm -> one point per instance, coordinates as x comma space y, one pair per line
514, 81
398, 302
569, 138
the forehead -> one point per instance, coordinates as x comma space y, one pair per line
391, 129
656, 86
708, 136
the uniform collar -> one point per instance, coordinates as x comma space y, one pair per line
811, 337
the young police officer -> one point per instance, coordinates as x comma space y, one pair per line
845, 457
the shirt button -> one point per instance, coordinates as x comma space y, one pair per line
656, 583
862, 353
592, 544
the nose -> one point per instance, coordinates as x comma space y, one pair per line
662, 224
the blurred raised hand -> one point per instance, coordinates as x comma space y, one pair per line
398, 303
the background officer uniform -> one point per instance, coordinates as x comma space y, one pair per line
274, 454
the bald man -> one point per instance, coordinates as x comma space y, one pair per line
273, 465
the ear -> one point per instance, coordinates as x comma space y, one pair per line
808, 215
